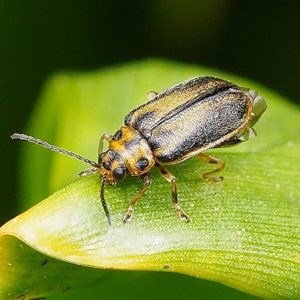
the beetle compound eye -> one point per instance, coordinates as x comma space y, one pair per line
107, 165
118, 173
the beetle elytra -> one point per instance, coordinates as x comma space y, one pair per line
184, 121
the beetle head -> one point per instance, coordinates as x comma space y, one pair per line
112, 166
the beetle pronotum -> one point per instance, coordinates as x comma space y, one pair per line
184, 121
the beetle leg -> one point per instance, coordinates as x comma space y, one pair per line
146, 181
172, 180
151, 95
210, 176
105, 136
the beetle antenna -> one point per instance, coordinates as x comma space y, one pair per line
28, 138
103, 201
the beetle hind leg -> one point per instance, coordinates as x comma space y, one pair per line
210, 176
151, 95
172, 180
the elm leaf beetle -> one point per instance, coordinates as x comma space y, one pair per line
184, 121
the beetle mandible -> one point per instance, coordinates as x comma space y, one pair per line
184, 121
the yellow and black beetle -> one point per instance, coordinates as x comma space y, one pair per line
184, 121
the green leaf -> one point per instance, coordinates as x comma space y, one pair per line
244, 232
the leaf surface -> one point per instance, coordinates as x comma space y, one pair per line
244, 232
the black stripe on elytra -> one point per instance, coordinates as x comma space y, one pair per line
190, 103
144, 119
202, 80
210, 132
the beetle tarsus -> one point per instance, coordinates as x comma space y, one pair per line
129, 214
182, 215
212, 179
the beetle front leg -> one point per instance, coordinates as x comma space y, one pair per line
105, 136
210, 176
172, 180
146, 181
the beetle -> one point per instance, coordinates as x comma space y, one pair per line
184, 121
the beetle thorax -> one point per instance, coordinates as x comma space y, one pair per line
134, 150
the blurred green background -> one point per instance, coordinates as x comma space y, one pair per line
256, 39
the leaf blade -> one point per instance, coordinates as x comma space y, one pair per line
244, 231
